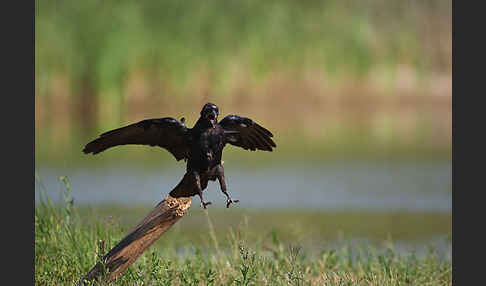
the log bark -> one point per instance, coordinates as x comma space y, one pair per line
159, 220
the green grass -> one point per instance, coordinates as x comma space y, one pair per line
70, 240
316, 228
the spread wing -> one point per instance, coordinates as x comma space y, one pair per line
165, 132
247, 134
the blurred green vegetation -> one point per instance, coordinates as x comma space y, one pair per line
292, 65
108, 39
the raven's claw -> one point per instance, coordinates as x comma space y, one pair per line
229, 201
204, 204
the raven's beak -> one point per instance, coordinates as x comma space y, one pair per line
212, 118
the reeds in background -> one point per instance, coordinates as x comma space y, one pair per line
377, 72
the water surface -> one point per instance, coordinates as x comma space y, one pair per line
407, 186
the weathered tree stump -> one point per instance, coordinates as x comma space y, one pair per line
159, 220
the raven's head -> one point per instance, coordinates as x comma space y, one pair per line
210, 112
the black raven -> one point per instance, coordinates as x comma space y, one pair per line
201, 146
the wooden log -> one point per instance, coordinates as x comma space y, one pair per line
159, 220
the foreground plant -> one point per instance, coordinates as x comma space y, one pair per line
66, 247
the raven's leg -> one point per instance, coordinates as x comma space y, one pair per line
199, 189
222, 183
